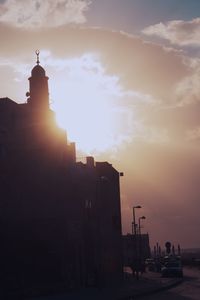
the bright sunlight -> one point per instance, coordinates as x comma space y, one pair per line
84, 99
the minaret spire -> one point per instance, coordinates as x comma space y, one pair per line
38, 86
37, 52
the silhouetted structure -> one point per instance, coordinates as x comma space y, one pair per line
60, 220
136, 249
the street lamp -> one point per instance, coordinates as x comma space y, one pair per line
133, 223
139, 222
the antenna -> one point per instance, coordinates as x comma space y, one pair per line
37, 52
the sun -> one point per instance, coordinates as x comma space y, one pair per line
87, 118
88, 111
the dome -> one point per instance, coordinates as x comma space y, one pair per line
38, 71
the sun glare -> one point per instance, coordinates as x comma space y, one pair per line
84, 102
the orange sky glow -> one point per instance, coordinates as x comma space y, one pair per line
127, 93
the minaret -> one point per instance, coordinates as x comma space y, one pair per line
38, 87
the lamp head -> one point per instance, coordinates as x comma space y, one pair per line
138, 206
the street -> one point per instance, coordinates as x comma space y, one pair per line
188, 290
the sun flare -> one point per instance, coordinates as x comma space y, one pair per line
87, 120
88, 111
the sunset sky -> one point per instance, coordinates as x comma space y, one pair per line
124, 81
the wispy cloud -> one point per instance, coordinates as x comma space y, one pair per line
152, 134
143, 67
143, 82
177, 32
188, 90
193, 134
45, 13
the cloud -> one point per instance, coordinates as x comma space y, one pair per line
151, 77
193, 134
177, 32
141, 66
45, 13
188, 90
153, 135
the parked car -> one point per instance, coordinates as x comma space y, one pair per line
150, 264
172, 269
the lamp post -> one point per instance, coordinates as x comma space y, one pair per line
139, 222
134, 223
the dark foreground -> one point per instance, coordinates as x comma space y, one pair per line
148, 284
188, 290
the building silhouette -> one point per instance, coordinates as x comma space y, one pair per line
136, 250
60, 220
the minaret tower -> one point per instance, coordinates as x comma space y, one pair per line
38, 87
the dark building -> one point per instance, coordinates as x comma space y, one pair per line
60, 219
136, 249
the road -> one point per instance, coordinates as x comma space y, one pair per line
188, 290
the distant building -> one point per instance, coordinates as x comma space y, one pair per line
60, 219
136, 249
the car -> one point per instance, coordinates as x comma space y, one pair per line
172, 269
150, 264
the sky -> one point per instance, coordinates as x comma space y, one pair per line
124, 82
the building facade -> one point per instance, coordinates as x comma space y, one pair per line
60, 219
136, 249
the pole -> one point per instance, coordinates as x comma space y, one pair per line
141, 263
139, 222
139, 226
134, 225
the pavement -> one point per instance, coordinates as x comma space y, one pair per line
148, 283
